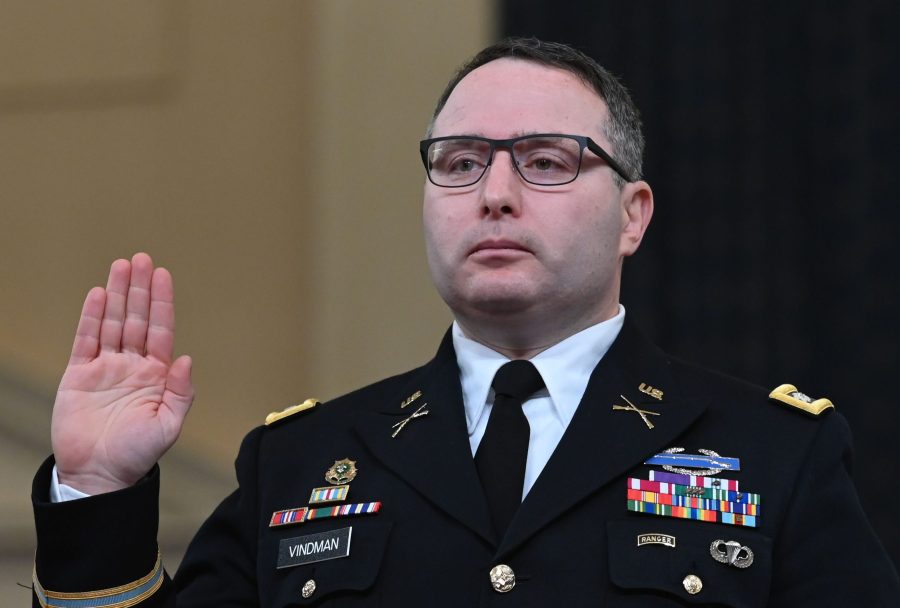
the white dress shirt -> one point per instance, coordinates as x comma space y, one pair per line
565, 367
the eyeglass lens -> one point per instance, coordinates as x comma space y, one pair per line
541, 160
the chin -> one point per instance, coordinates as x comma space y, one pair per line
496, 302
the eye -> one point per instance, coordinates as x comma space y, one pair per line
464, 165
544, 164
543, 159
547, 162
459, 157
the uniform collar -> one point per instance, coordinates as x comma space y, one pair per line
565, 367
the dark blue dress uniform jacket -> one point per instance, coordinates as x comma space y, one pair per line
572, 543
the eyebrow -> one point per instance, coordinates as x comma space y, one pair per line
514, 135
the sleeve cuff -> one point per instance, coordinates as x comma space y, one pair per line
60, 492
101, 542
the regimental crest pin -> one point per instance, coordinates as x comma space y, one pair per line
341, 472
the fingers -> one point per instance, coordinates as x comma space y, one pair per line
87, 335
137, 305
135, 313
114, 313
161, 328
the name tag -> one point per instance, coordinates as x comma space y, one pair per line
314, 548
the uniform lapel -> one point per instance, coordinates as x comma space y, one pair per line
432, 453
601, 443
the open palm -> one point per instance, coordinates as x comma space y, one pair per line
122, 400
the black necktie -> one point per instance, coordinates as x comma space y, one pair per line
501, 456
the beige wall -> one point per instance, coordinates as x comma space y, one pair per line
265, 152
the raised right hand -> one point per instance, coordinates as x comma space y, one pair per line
122, 400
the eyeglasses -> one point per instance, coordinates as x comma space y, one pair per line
547, 159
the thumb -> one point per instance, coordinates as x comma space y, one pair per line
179, 392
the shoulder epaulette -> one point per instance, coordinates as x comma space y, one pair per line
788, 393
290, 411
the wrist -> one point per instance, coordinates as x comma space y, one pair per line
91, 483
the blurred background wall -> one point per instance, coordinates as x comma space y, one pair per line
266, 153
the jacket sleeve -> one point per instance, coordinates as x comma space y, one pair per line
826, 553
99, 551
102, 551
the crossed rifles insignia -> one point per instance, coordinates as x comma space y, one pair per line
633, 408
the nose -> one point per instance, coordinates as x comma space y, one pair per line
501, 187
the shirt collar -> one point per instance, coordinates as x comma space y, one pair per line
565, 367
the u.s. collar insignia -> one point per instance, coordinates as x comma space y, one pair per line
788, 394
410, 399
649, 390
341, 472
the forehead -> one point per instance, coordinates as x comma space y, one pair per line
509, 97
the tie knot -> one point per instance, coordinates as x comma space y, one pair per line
518, 379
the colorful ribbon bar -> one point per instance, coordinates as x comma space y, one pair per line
692, 502
695, 491
329, 494
694, 480
360, 508
698, 461
287, 517
734, 519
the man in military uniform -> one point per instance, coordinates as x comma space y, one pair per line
547, 454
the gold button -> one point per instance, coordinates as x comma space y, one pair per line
309, 587
692, 584
503, 578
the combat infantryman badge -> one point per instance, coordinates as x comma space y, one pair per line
707, 458
341, 472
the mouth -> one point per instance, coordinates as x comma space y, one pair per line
498, 246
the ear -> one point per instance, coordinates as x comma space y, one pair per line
637, 209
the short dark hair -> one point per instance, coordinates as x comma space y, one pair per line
623, 129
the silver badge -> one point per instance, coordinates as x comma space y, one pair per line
732, 553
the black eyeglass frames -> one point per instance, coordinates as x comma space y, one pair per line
545, 159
